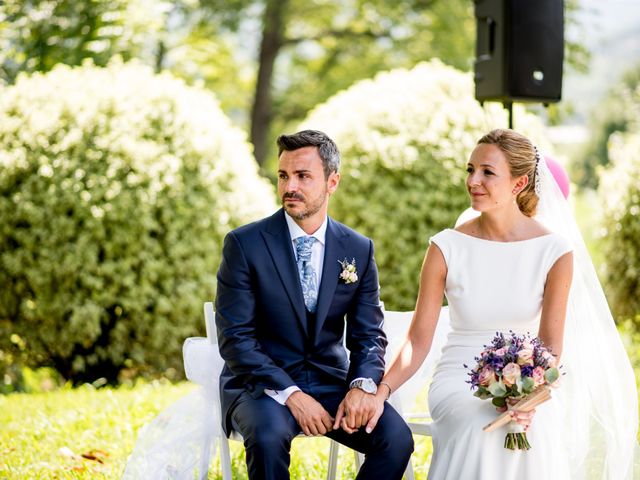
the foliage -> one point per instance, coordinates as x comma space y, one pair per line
303, 52
405, 138
37, 35
617, 112
116, 189
268, 61
620, 194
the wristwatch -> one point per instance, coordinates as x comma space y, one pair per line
367, 385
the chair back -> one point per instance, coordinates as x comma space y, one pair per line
210, 323
396, 326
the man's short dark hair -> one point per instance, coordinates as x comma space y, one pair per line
327, 148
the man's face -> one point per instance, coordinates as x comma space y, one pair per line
301, 184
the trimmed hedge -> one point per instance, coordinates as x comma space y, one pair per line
116, 189
405, 139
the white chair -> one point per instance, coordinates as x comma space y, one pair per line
198, 351
194, 349
396, 325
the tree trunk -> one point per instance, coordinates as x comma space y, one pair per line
270, 45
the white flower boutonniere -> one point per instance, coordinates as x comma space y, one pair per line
349, 273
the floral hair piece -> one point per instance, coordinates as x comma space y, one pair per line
536, 186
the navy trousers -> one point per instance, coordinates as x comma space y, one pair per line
268, 429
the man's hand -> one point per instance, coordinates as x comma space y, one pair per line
358, 409
310, 415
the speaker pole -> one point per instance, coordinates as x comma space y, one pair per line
509, 107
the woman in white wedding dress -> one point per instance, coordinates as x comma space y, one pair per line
506, 270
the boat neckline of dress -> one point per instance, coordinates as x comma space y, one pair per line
500, 241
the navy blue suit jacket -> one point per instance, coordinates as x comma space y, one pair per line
261, 318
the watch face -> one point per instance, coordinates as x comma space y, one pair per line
365, 384
369, 385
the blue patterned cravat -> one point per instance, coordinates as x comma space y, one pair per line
308, 277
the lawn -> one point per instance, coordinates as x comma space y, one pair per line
87, 433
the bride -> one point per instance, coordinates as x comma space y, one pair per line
520, 265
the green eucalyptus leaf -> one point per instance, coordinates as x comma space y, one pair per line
551, 374
498, 389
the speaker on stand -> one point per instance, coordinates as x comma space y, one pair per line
519, 51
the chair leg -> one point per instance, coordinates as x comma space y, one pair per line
359, 458
205, 458
332, 468
225, 458
408, 473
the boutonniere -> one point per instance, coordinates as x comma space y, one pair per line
348, 274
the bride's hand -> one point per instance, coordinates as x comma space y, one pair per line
522, 418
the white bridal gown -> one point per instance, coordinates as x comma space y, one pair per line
490, 287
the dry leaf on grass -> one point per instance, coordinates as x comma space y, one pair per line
95, 455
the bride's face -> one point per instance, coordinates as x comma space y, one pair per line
489, 180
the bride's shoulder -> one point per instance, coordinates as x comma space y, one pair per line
537, 229
470, 227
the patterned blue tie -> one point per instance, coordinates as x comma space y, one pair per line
308, 277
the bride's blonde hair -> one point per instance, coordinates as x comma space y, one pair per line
522, 159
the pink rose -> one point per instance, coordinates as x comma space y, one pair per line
510, 373
525, 355
550, 359
501, 352
487, 376
538, 376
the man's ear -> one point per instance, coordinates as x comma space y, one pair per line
332, 182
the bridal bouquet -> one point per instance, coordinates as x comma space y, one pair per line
518, 367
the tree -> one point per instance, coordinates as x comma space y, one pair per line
325, 47
268, 61
36, 35
617, 112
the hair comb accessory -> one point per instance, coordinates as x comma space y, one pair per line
536, 185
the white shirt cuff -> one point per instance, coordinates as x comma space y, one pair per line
281, 396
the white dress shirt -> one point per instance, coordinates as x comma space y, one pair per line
317, 260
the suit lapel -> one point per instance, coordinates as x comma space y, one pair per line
278, 242
334, 251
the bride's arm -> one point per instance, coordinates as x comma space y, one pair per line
554, 304
552, 319
425, 318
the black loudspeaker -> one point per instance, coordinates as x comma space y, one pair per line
519, 50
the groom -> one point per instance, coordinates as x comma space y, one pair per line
286, 284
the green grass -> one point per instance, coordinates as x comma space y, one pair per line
38, 428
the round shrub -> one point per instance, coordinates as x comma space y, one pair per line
405, 139
116, 188
620, 194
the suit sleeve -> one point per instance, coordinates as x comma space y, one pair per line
235, 323
366, 339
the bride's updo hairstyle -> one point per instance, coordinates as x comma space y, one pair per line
521, 156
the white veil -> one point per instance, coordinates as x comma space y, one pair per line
598, 391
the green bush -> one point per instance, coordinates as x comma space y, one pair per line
616, 112
405, 139
116, 189
620, 194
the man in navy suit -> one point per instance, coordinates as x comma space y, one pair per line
286, 285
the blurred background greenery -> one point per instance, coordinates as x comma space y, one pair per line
135, 133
